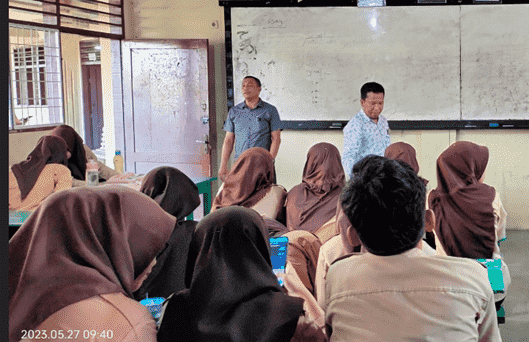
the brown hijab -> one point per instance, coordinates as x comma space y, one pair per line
303, 252
249, 180
177, 195
80, 243
233, 294
74, 142
404, 152
313, 202
463, 206
49, 150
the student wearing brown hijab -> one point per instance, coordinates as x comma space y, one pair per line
80, 156
233, 294
76, 261
249, 181
312, 203
470, 218
178, 196
43, 172
405, 152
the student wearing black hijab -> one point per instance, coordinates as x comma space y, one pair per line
178, 196
233, 294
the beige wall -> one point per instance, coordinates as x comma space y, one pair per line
22, 143
72, 83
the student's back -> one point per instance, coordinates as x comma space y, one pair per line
394, 292
410, 297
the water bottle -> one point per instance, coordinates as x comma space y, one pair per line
92, 173
118, 162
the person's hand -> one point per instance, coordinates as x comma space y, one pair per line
311, 325
223, 173
295, 288
121, 178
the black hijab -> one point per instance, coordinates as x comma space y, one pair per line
177, 195
74, 143
233, 293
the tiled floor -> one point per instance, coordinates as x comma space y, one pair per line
516, 253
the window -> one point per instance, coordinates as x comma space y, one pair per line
35, 76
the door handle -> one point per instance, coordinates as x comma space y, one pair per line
205, 150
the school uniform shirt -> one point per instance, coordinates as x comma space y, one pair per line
333, 250
252, 127
53, 178
408, 297
363, 137
105, 317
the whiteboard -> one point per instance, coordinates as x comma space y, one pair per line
312, 62
495, 62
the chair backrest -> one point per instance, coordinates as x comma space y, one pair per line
271, 204
328, 230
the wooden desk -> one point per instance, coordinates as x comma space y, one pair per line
17, 218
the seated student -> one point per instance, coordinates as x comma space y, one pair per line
178, 196
302, 254
405, 152
347, 241
75, 262
312, 203
470, 216
393, 292
43, 172
250, 184
233, 294
80, 156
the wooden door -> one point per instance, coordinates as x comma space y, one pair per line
93, 105
166, 107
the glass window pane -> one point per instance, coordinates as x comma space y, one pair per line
36, 86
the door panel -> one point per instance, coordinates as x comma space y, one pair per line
166, 108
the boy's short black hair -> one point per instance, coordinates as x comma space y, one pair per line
373, 87
385, 203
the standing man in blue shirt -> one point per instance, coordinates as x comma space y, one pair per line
251, 123
367, 132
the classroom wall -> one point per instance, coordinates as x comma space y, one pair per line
21, 143
508, 171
